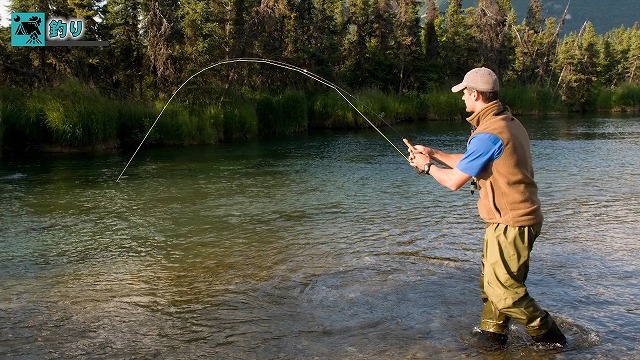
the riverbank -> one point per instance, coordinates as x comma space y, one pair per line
76, 117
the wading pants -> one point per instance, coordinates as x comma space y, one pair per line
505, 264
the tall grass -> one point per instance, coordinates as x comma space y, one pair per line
531, 100
622, 98
626, 96
604, 99
240, 121
134, 120
385, 107
282, 114
445, 105
23, 126
186, 125
77, 116
331, 110
1, 125
73, 116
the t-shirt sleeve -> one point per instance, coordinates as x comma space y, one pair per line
482, 149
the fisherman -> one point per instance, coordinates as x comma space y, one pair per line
498, 162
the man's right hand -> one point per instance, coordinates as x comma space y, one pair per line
424, 150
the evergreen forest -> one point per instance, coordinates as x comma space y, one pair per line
400, 57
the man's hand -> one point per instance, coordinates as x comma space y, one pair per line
419, 157
424, 150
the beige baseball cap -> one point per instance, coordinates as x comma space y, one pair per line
481, 79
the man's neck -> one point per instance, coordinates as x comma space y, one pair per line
479, 114
478, 106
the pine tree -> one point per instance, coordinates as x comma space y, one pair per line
381, 66
356, 25
608, 63
457, 43
123, 29
534, 20
159, 50
407, 43
203, 36
578, 68
36, 71
490, 25
325, 53
455, 23
312, 37
430, 36
631, 71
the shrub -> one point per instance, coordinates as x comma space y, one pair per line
626, 96
240, 121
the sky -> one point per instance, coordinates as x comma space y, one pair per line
4, 12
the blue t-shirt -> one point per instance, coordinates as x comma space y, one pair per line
482, 149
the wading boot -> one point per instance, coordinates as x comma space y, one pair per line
552, 337
489, 340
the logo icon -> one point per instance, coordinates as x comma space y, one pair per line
31, 29
27, 29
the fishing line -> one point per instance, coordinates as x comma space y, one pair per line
313, 76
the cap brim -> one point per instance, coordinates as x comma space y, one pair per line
458, 87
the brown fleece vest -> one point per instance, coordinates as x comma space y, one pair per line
508, 193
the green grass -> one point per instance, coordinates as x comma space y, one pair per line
282, 114
240, 121
23, 127
134, 120
72, 116
623, 98
330, 110
78, 116
531, 100
626, 96
445, 105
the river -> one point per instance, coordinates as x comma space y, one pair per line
322, 246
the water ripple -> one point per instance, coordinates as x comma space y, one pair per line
305, 248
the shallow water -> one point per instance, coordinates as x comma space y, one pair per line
324, 246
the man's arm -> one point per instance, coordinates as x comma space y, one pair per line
450, 160
439, 156
452, 178
482, 149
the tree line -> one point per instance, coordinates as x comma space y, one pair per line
395, 46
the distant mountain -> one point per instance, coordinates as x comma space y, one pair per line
603, 14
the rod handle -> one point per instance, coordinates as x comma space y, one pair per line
406, 142
431, 156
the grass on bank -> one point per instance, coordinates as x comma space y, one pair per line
75, 116
623, 98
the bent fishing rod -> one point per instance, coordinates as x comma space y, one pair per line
343, 93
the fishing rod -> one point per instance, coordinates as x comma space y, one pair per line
283, 65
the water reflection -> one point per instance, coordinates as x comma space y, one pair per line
307, 247
582, 128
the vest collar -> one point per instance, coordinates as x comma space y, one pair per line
492, 108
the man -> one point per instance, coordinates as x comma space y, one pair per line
497, 160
